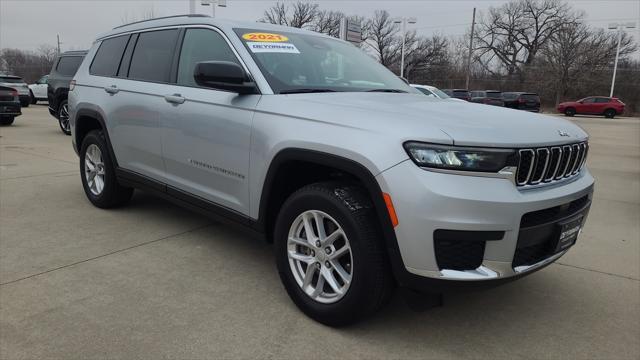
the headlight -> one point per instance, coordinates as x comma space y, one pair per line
461, 158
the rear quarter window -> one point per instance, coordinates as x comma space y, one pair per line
108, 56
68, 65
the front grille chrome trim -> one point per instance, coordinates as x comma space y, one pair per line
561, 162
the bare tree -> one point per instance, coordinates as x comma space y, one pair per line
423, 52
512, 35
382, 37
579, 53
328, 22
299, 14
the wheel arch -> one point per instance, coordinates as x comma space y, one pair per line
274, 191
87, 120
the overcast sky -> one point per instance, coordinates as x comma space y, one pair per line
26, 24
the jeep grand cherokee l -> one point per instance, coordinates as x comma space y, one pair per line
362, 183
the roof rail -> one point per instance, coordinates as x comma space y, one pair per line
163, 17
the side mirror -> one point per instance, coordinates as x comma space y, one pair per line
224, 75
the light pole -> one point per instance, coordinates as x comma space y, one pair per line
404, 21
213, 4
619, 27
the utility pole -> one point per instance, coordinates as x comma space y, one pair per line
58, 37
473, 27
620, 28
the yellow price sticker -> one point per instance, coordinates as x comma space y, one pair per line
265, 37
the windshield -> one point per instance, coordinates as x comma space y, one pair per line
11, 80
293, 62
439, 93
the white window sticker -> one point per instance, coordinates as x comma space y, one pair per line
269, 47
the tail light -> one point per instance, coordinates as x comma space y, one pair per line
14, 93
72, 85
522, 101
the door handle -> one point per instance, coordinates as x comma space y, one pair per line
176, 99
112, 89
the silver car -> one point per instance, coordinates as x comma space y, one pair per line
362, 183
19, 85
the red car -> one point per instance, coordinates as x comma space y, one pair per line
593, 105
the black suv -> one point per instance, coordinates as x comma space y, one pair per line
522, 101
487, 97
462, 94
63, 70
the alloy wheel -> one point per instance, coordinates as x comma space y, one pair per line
94, 171
64, 117
320, 256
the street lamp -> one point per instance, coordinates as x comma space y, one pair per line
212, 3
620, 27
404, 21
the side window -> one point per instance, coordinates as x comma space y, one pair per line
43, 80
68, 65
589, 101
602, 100
107, 59
153, 55
201, 45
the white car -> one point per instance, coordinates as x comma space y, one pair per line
38, 91
434, 92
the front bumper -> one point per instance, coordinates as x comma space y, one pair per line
426, 201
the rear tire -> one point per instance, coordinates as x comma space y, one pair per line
570, 111
25, 103
6, 121
63, 117
610, 113
343, 209
98, 175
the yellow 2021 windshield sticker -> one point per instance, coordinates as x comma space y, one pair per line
265, 37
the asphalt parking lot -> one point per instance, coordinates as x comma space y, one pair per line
152, 280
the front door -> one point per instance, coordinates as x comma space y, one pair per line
206, 132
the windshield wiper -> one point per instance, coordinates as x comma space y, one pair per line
305, 91
388, 90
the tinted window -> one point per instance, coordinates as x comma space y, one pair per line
68, 65
425, 91
108, 56
531, 97
602, 100
461, 93
509, 96
494, 95
153, 55
11, 80
201, 45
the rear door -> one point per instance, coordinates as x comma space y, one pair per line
132, 73
207, 132
600, 105
39, 89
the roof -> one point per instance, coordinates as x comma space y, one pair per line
10, 76
197, 19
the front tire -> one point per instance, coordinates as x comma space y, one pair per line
98, 173
33, 98
6, 121
330, 253
570, 111
63, 117
610, 113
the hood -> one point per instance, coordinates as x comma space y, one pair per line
422, 118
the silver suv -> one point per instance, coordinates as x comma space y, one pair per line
362, 183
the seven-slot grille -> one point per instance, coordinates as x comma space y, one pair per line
549, 164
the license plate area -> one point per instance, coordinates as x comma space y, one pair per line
568, 232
